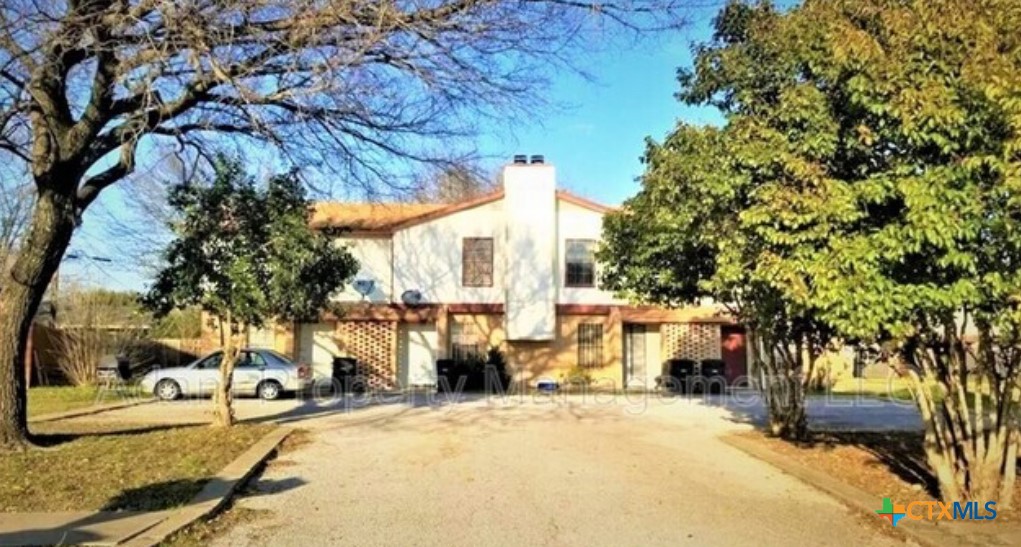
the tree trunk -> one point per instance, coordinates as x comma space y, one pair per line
786, 406
971, 451
23, 287
223, 401
784, 390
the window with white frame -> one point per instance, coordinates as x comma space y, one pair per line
580, 258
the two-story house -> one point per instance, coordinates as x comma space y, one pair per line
514, 269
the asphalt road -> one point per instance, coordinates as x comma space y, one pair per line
561, 471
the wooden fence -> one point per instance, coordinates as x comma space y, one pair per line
42, 364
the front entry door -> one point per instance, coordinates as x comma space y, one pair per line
634, 356
734, 353
419, 343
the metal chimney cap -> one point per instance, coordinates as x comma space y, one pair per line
520, 159
538, 158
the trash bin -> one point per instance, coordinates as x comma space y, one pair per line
345, 373
713, 375
123, 368
682, 371
446, 371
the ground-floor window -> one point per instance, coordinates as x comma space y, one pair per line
590, 345
466, 342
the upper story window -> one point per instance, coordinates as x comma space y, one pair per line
477, 262
581, 263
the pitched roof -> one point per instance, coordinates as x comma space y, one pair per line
584, 202
386, 217
367, 217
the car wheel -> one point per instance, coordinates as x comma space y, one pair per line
168, 390
269, 390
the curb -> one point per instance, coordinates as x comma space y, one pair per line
215, 494
89, 410
852, 497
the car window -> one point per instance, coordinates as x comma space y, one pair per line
250, 359
276, 359
256, 359
244, 360
213, 361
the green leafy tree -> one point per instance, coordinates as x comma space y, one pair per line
683, 239
882, 138
246, 254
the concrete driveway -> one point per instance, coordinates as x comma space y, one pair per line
534, 471
824, 412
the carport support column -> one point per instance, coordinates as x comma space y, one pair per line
442, 331
395, 334
615, 326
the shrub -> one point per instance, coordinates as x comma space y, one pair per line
578, 376
471, 372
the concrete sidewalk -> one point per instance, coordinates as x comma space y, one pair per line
134, 528
90, 527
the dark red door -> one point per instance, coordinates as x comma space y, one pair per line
735, 354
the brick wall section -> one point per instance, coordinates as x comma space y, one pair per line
374, 345
691, 341
556, 358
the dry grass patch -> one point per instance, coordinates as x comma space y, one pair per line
112, 467
201, 533
886, 464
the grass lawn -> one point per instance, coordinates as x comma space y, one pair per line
48, 399
894, 388
91, 467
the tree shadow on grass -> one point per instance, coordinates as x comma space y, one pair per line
52, 439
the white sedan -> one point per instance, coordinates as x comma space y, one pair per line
260, 372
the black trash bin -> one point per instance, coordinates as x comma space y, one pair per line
446, 370
682, 371
123, 368
345, 373
714, 375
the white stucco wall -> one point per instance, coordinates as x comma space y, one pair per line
375, 263
529, 228
575, 222
317, 347
427, 256
530, 213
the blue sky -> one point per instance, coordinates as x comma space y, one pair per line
595, 139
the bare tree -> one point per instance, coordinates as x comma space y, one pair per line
93, 324
451, 184
15, 206
88, 88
